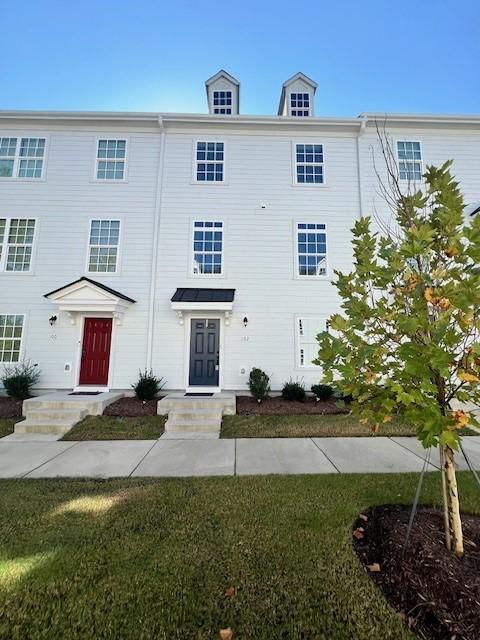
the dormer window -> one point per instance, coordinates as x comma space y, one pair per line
223, 94
300, 104
222, 102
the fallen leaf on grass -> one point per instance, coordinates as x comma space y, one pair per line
374, 568
230, 592
363, 517
226, 634
358, 533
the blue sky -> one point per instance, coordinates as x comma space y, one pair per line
371, 55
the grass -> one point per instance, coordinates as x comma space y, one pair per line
152, 559
113, 428
247, 426
6, 426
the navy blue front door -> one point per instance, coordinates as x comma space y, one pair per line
204, 350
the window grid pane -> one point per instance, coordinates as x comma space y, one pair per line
409, 160
210, 158
8, 148
309, 163
300, 104
11, 328
111, 156
222, 102
19, 243
207, 248
104, 239
308, 329
32, 151
312, 249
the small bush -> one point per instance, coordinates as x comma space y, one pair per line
18, 379
258, 383
293, 391
148, 385
322, 391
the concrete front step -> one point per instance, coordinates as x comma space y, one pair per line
187, 416
225, 402
93, 404
197, 425
71, 415
44, 426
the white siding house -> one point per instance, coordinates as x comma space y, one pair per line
241, 220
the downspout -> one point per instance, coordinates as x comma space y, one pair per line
155, 244
363, 126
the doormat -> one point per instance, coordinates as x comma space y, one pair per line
199, 395
85, 393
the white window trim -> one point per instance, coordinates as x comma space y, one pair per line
6, 244
126, 166
422, 166
310, 99
21, 353
309, 220
207, 276
304, 316
16, 160
216, 183
308, 185
120, 238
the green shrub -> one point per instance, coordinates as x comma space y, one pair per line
18, 379
322, 391
258, 383
148, 385
293, 391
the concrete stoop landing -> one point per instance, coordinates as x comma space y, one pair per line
56, 413
195, 417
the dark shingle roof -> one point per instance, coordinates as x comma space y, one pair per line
203, 295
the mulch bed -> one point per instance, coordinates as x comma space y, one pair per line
130, 407
277, 406
10, 408
436, 594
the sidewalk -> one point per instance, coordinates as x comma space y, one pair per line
246, 456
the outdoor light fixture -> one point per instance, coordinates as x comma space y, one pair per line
245, 321
52, 320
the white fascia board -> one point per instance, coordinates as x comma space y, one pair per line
202, 306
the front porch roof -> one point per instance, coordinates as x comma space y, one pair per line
203, 300
87, 296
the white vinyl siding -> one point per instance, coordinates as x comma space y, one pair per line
307, 345
409, 160
11, 330
103, 246
16, 244
207, 248
22, 157
311, 244
111, 159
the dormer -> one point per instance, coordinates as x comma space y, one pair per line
223, 94
297, 97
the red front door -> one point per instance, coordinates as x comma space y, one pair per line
97, 336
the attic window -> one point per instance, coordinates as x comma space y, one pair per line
222, 102
300, 104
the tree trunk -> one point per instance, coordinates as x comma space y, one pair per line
446, 517
454, 505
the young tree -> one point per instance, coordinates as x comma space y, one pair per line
407, 337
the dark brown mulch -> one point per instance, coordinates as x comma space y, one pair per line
10, 408
277, 406
437, 594
130, 407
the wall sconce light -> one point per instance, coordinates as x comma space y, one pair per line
52, 320
245, 321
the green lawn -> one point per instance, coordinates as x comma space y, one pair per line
246, 426
113, 428
152, 559
6, 426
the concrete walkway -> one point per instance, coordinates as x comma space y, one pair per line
37, 457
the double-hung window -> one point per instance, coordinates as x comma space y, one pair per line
222, 102
16, 243
307, 345
103, 246
311, 249
300, 104
209, 162
22, 157
309, 160
111, 159
207, 248
11, 330
409, 160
